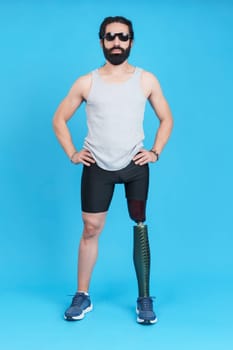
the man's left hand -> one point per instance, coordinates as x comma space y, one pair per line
144, 157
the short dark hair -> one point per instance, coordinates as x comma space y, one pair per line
116, 19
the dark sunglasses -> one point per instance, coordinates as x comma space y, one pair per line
121, 36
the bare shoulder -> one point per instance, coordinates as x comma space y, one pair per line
84, 79
150, 84
149, 79
82, 85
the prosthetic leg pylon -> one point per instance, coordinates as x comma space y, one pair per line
141, 258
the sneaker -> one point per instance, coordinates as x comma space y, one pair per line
145, 311
81, 304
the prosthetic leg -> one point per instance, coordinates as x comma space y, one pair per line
141, 258
141, 250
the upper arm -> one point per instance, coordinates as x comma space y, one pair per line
155, 96
77, 94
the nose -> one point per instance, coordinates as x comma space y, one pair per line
116, 41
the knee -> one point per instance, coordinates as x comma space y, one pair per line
92, 229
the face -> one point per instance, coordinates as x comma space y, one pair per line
116, 50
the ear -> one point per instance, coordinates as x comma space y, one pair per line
101, 42
131, 43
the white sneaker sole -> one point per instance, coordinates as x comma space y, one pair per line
141, 320
80, 317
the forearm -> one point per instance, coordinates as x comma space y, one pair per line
64, 137
163, 134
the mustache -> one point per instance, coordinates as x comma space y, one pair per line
118, 48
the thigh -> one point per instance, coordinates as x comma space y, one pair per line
137, 182
96, 189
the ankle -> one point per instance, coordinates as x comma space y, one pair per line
82, 291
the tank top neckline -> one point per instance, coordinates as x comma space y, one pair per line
116, 83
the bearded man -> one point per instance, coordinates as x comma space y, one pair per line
115, 96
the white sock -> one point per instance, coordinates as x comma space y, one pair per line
81, 291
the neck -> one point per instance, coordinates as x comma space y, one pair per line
125, 67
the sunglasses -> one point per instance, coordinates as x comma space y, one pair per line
121, 36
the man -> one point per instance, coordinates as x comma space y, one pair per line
115, 97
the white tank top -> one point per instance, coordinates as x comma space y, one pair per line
115, 113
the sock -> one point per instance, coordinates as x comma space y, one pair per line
81, 291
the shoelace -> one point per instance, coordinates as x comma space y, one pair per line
78, 299
146, 303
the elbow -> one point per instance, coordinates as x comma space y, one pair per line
56, 126
56, 122
171, 123
168, 122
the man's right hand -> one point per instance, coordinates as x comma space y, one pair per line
83, 157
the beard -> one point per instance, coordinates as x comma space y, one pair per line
116, 58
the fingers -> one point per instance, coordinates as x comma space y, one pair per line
144, 157
86, 157
83, 157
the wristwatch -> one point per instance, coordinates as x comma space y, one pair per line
71, 158
155, 153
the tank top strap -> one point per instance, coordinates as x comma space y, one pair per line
138, 71
95, 74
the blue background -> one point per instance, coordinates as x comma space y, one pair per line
45, 46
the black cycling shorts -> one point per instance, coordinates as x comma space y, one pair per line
97, 185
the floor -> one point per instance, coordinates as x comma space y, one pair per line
192, 314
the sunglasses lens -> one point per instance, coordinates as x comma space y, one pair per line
121, 36
110, 36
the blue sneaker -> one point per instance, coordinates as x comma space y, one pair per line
81, 304
145, 311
